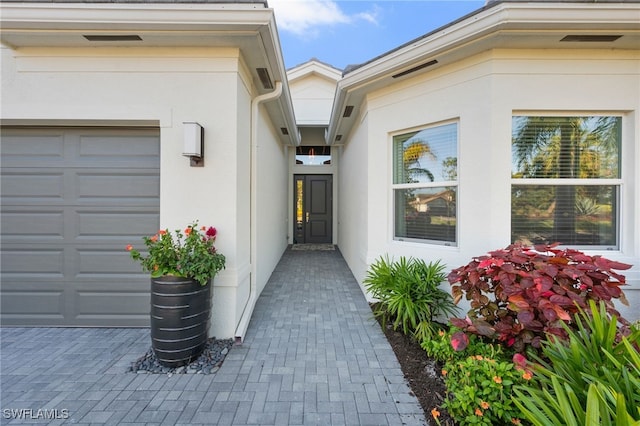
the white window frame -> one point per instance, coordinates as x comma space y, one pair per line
618, 182
422, 185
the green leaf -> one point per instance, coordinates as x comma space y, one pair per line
593, 407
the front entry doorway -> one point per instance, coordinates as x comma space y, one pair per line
313, 204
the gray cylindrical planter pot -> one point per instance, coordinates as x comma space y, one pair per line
180, 312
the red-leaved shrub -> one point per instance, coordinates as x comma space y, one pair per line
519, 294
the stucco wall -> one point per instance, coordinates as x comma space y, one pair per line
272, 224
482, 92
161, 88
353, 199
312, 99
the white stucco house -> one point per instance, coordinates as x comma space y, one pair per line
518, 122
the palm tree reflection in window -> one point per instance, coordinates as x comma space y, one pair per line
584, 149
424, 185
411, 156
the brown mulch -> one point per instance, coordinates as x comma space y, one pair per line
422, 373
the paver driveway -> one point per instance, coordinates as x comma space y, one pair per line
312, 355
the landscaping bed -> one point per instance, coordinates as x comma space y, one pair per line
519, 356
422, 373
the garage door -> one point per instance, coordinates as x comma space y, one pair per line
72, 199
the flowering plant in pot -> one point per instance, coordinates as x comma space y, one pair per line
188, 254
182, 265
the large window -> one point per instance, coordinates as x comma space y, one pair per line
425, 180
566, 180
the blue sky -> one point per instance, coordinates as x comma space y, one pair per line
344, 32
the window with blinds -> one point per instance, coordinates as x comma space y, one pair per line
566, 180
425, 181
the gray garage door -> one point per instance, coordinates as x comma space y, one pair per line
71, 200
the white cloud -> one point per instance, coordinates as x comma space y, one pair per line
306, 17
371, 16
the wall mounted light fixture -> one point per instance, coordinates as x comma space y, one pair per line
193, 143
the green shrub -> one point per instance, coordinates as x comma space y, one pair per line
440, 348
479, 390
593, 378
409, 294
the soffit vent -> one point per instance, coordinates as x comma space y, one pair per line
338, 138
591, 38
414, 69
347, 111
112, 37
284, 131
265, 79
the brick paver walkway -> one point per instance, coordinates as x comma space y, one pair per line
313, 355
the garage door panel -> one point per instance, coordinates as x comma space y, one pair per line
123, 188
21, 225
121, 227
32, 149
101, 263
72, 199
44, 304
29, 262
134, 151
32, 187
125, 303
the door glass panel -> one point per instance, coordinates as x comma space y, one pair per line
313, 155
299, 199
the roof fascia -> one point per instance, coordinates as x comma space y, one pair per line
314, 67
141, 16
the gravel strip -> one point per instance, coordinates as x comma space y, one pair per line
208, 362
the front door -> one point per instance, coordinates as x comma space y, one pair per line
313, 209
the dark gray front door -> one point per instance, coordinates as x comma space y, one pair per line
313, 209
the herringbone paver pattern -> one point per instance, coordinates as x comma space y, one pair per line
313, 355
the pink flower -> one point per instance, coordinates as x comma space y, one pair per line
211, 232
459, 341
520, 361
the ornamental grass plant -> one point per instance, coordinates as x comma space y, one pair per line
409, 295
593, 378
189, 254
